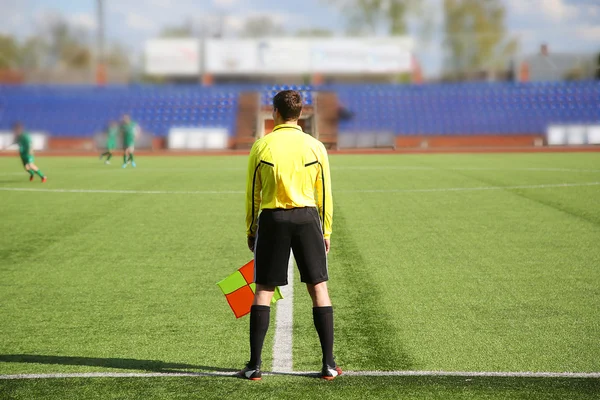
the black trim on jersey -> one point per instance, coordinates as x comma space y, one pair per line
290, 127
268, 163
253, 186
311, 163
323, 180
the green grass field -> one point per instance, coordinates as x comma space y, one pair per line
438, 262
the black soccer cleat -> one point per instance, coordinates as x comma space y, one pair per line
250, 372
330, 373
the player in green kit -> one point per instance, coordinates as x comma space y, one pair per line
23, 139
111, 141
130, 131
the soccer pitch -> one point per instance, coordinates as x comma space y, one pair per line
455, 263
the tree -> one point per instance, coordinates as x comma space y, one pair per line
314, 32
475, 37
386, 16
261, 26
66, 47
116, 57
33, 53
9, 52
182, 31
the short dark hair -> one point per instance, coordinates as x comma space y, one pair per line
289, 104
17, 125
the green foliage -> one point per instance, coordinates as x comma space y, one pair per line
314, 32
261, 26
9, 52
181, 31
476, 38
370, 16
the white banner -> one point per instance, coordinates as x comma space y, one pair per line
197, 138
173, 57
301, 56
250, 56
368, 55
225, 56
283, 56
39, 140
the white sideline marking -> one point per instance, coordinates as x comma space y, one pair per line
122, 191
336, 168
282, 343
466, 374
424, 168
455, 189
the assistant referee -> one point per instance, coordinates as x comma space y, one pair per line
289, 206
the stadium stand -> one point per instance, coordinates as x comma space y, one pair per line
437, 109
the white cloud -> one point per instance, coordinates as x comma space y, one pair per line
558, 10
591, 32
46, 17
83, 20
161, 3
554, 10
234, 23
224, 3
138, 22
276, 17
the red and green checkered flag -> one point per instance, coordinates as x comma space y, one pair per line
239, 288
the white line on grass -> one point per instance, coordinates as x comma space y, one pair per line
335, 168
465, 374
424, 168
282, 343
450, 189
110, 191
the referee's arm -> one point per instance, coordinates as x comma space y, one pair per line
253, 195
323, 195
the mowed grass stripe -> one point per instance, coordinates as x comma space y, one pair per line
473, 280
121, 278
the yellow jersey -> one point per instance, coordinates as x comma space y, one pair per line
288, 169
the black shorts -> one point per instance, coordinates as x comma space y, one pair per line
280, 230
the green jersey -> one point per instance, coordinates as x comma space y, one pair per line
111, 140
24, 142
129, 131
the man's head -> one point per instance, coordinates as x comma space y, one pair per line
17, 128
126, 118
287, 106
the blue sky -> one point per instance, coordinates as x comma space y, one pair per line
566, 25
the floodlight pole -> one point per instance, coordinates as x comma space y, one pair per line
100, 67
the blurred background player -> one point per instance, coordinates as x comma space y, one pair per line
130, 131
111, 141
23, 139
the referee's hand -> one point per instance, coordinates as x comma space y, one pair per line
251, 242
327, 245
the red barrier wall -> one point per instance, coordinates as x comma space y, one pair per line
468, 141
402, 142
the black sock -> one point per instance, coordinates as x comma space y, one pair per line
323, 318
259, 324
